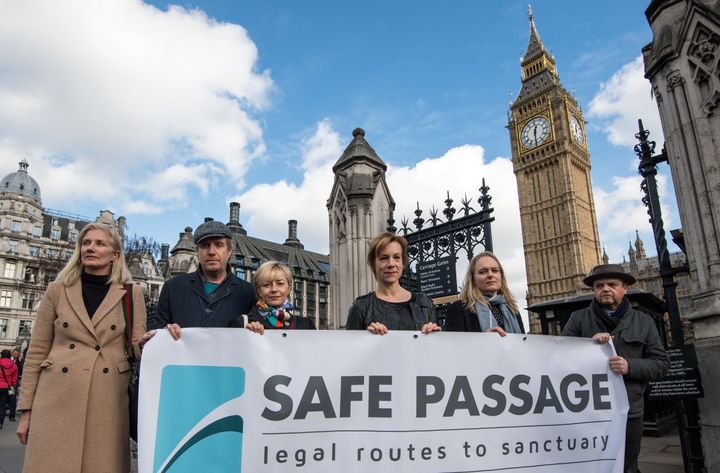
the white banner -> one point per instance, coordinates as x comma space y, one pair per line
228, 400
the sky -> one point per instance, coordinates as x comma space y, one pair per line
166, 112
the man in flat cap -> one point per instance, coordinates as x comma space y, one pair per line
211, 296
640, 354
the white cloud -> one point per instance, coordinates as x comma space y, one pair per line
168, 184
266, 208
140, 207
618, 104
620, 212
621, 101
96, 94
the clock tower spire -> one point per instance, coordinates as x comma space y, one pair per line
552, 167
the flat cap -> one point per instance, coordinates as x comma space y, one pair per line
211, 229
608, 271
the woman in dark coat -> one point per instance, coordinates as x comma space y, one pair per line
273, 282
391, 306
74, 394
485, 303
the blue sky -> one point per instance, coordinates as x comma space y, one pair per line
166, 112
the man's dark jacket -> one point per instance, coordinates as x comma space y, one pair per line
366, 310
636, 339
183, 301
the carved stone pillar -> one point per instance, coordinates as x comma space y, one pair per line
683, 65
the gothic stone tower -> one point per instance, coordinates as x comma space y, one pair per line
683, 66
552, 167
359, 207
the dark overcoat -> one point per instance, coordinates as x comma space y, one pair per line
183, 301
637, 340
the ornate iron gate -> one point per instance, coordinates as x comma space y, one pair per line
435, 238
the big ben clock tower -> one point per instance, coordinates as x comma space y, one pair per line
552, 167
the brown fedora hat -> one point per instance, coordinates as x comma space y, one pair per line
608, 271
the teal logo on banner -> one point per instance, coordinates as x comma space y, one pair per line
185, 441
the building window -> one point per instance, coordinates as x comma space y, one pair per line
240, 273
28, 300
25, 323
3, 328
33, 250
49, 277
54, 222
15, 226
37, 231
71, 225
55, 234
323, 293
31, 275
9, 270
5, 298
13, 246
72, 237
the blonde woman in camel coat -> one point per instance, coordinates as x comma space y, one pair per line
74, 398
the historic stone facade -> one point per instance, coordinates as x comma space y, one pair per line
683, 66
35, 244
647, 272
552, 167
359, 207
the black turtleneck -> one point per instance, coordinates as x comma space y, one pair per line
94, 290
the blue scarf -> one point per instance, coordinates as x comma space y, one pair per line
487, 320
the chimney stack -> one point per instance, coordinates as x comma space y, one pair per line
292, 239
234, 223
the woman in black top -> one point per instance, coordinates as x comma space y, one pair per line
273, 283
391, 307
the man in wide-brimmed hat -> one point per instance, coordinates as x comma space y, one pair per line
640, 354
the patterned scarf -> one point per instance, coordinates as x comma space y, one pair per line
278, 317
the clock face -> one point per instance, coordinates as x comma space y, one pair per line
576, 130
535, 132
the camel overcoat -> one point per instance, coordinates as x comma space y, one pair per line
75, 383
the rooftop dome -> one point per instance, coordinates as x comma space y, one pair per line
21, 182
